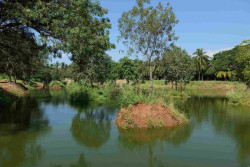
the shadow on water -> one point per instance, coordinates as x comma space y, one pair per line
234, 121
21, 124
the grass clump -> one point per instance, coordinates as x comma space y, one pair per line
128, 98
239, 97
176, 114
155, 123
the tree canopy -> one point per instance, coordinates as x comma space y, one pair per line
148, 30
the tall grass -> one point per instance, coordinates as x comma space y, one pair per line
123, 97
239, 97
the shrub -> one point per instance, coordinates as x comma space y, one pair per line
128, 98
79, 94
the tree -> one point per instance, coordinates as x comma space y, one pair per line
143, 71
148, 31
128, 69
77, 27
177, 65
201, 61
224, 65
114, 72
244, 58
20, 55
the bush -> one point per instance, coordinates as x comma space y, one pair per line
79, 94
128, 98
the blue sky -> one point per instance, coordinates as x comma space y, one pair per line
214, 25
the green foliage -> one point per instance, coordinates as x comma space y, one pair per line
244, 59
77, 28
20, 54
128, 69
201, 62
128, 98
148, 30
155, 123
80, 94
177, 66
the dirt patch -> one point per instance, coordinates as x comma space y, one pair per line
148, 116
14, 89
121, 81
4, 81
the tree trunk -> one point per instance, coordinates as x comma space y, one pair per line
248, 86
176, 85
199, 75
151, 80
202, 76
15, 79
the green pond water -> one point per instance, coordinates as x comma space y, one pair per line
46, 130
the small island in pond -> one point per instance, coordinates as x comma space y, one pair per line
149, 116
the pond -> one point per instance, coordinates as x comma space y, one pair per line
46, 130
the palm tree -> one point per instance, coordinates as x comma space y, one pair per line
201, 61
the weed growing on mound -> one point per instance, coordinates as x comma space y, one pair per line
176, 113
155, 123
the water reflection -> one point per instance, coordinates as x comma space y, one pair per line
21, 124
142, 139
22, 115
92, 124
231, 120
54, 97
80, 163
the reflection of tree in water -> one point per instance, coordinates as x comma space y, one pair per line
23, 114
80, 163
54, 97
141, 139
91, 126
22, 123
229, 119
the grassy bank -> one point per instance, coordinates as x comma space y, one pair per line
239, 97
124, 96
225, 85
17, 90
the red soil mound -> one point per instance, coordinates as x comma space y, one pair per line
148, 116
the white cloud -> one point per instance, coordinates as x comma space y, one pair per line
210, 53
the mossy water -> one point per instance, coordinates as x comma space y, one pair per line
46, 129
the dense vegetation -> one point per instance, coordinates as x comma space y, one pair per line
34, 32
